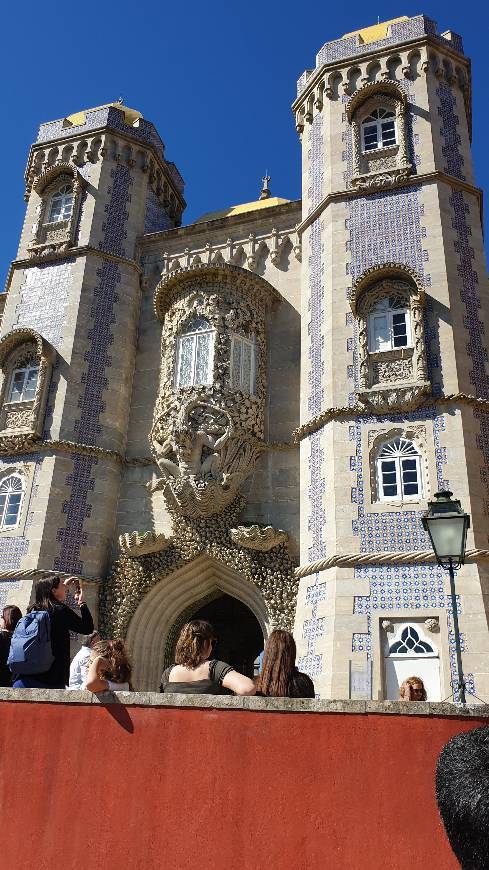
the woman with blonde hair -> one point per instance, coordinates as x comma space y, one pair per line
412, 689
109, 668
279, 677
194, 672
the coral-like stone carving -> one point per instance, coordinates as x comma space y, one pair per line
133, 544
260, 538
131, 578
432, 624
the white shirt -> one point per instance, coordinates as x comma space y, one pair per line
79, 668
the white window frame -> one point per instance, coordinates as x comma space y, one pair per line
63, 193
243, 341
384, 309
194, 334
398, 459
26, 371
11, 490
377, 123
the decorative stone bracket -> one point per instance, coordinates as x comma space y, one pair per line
260, 538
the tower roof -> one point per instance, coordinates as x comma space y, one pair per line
77, 119
374, 31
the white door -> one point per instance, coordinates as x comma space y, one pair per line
411, 654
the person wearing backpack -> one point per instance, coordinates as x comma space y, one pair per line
8, 620
40, 649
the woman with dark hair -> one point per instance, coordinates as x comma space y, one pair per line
8, 620
50, 595
109, 669
279, 677
194, 672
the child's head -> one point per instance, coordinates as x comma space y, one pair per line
118, 668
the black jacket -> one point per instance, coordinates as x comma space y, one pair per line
64, 620
5, 673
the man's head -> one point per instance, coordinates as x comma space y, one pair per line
462, 792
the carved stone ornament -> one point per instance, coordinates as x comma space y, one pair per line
396, 378
432, 624
272, 573
49, 238
206, 438
395, 398
22, 422
388, 166
387, 625
260, 538
133, 544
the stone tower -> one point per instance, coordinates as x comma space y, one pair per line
95, 182
395, 389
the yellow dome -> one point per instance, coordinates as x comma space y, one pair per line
241, 209
375, 31
79, 118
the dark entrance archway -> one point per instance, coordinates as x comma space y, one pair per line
240, 638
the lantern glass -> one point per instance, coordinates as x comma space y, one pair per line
447, 525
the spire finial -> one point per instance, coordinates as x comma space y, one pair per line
265, 191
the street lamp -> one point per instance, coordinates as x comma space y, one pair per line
447, 525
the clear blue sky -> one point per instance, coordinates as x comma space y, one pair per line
217, 80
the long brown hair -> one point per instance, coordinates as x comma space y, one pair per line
192, 643
278, 667
11, 615
43, 594
119, 670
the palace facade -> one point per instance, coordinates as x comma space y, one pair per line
244, 418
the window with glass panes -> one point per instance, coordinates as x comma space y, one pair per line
243, 363
379, 130
11, 494
399, 470
195, 354
61, 205
389, 326
23, 384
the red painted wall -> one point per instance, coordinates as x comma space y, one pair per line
145, 788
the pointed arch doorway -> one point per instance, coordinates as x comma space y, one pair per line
206, 588
238, 632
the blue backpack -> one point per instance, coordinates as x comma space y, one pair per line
30, 647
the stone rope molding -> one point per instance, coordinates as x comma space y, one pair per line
36, 573
414, 557
317, 422
19, 444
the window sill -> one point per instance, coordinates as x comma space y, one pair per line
393, 353
386, 151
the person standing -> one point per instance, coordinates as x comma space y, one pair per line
80, 662
279, 677
50, 596
8, 620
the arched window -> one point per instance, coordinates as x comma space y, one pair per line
195, 354
379, 130
23, 383
389, 325
11, 495
399, 470
61, 205
243, 363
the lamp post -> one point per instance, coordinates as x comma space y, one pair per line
447, 524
